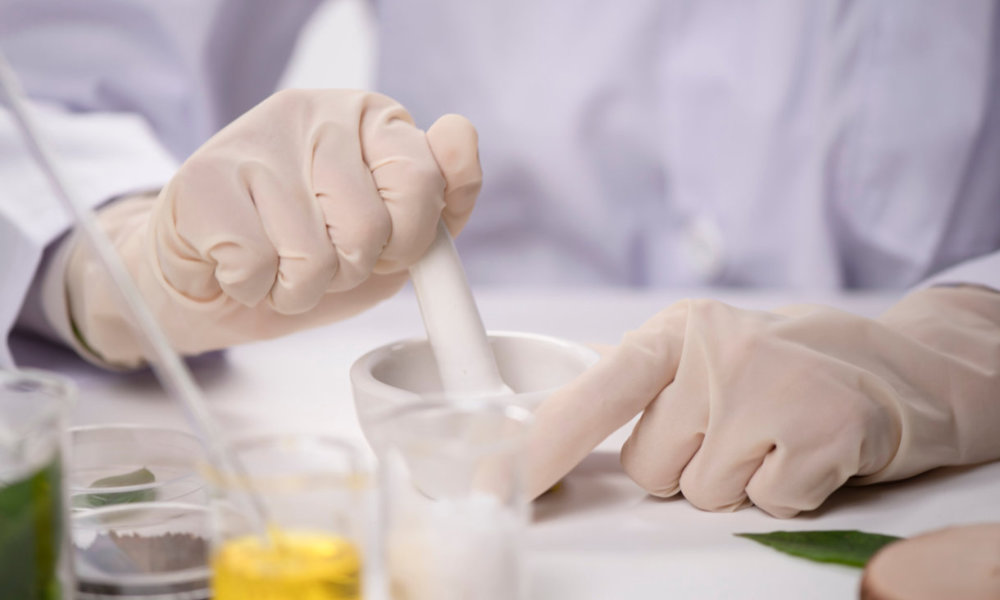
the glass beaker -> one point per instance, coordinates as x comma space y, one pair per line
316, 496
145, 550
34, 548
452, 503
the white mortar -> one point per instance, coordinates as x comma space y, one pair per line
400, 373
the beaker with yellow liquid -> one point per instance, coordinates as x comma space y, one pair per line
315, 495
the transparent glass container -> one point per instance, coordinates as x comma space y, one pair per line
451, 499
34, 548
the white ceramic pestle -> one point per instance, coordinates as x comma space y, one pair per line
454, 328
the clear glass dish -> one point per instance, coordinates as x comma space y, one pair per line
121, 464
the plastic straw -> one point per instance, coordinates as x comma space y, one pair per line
167, 364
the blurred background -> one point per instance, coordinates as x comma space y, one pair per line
337, 48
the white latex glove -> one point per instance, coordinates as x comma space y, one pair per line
308, 208
779, 409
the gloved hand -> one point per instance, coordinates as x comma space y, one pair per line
308, 208
779, 409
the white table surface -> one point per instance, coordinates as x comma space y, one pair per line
600, 537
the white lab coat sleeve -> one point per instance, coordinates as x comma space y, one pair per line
103, 155
983, 270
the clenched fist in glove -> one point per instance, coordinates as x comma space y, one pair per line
308, 208
779, 409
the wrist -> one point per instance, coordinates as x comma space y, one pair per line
81, 300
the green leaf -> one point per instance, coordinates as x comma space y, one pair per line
846, 547
138, 477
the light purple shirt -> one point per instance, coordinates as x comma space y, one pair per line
811, 145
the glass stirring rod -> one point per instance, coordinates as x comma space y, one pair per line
167, 364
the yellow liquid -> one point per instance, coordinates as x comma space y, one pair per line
294, 566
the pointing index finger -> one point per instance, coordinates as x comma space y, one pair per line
579, 416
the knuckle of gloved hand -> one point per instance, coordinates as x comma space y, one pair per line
246, 282
719, 316
371, 231
877, 441
362, 242
653, 483
671, 319
708, 493
202, 192
778, 511
701, 308
802, 477
288, 100
386, 110
647, 474
866, 432
748, 351
410, 177
774, 493
710, 311
213, 214
320, 265
413, 188
857, 414
199, 178
749, 343
379, 113
424, 181
779, 499
298, 296
704, 312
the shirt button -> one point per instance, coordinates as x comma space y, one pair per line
702, 247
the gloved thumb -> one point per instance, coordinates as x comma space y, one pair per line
455, 145
576, 418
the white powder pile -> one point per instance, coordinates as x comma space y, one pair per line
457, 550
